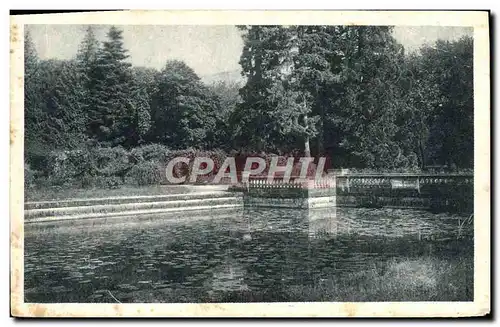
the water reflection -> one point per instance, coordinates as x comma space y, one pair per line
214, 256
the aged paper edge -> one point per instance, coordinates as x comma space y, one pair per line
476, 19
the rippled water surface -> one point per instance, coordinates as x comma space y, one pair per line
213, 255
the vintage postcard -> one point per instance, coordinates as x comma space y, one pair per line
250, 164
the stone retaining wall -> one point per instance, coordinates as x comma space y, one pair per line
437, 192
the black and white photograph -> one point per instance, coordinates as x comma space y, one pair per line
243, 162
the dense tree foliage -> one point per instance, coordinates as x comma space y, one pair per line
253, 122
112, 117
354, 92
369, 100
227, 93
349, 92
184, 109
449, 69
34, 114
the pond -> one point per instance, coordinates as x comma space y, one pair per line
248, 255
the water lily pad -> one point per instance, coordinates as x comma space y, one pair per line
127, 287
95, 296
59, 289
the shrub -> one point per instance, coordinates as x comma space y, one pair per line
145, 173
29, 176
150, 152
111, 161
38, 156
110, 167
179, 170
88, 167
71, 166
217, 156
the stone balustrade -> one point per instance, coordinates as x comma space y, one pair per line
368, 181
421, 183
439, 191
262, 182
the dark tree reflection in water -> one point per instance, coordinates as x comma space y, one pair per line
345, 254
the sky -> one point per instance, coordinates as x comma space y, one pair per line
208, 50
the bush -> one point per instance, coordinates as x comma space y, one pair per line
88, 166
110, 167
111, 161
38, 155
179, 170
145, 173
29, 176
71, 167
150, 152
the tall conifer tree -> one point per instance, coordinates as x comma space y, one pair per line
111, 120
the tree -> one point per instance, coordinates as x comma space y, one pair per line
30, 54
142, 110
86, 79
368, 98
228, 98
68, 119
145, 86
292, 112
449, 67
419, 98
311, 75
112, 118
147, 78
436, 115
88, 51
291, 71
184, 109
61, 124
32, 92
264, 60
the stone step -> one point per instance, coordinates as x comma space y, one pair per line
124, 199
199, 210
134, 206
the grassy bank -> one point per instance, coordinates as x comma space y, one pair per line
423, 279
412, 279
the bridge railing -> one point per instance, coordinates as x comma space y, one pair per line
402, 182
415, 183
263, 182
